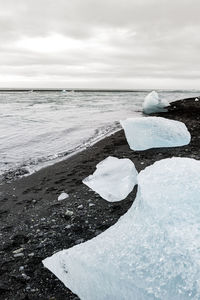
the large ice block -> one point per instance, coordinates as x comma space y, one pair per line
155, 132
113, 179
152, 252
153, 103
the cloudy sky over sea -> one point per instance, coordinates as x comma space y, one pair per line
100, 43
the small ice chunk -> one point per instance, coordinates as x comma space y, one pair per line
152, 252
153, 103
113, 179
63, 196
155, 132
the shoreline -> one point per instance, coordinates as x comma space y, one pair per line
19, 172
33, 220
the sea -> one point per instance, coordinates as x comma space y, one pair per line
39, 128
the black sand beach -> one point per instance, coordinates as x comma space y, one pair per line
34, 224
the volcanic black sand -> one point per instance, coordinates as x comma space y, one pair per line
34, 224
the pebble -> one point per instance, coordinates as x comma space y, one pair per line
18, 254
21, 268
91, 204
3, 287
79, 241
97, 232
18, 250
80, 206
68, 226
68, 213
26, 277
34, 290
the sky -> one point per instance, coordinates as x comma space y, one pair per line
112, 44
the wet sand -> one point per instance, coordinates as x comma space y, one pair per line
34, 224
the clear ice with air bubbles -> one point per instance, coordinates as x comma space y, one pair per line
153, 103
152, 252
113, 179
155, 132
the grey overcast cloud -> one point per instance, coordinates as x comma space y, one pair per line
126, 44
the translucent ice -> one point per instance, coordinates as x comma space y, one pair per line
155, 132
153, 103
113, 179
63, 196
152, 252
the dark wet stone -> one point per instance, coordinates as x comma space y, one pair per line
4, 287
19, 239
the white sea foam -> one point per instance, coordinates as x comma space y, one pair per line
40, 128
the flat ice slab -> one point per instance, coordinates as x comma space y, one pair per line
152, 252
153, 103
155, 132
113, 179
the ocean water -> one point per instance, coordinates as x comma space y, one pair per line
40, 128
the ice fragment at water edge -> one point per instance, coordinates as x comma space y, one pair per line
153, 103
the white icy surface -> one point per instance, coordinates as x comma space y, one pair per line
113, 179
155, 132
152, 103
63, 196
152, 252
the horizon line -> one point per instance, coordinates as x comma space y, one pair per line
90, 90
